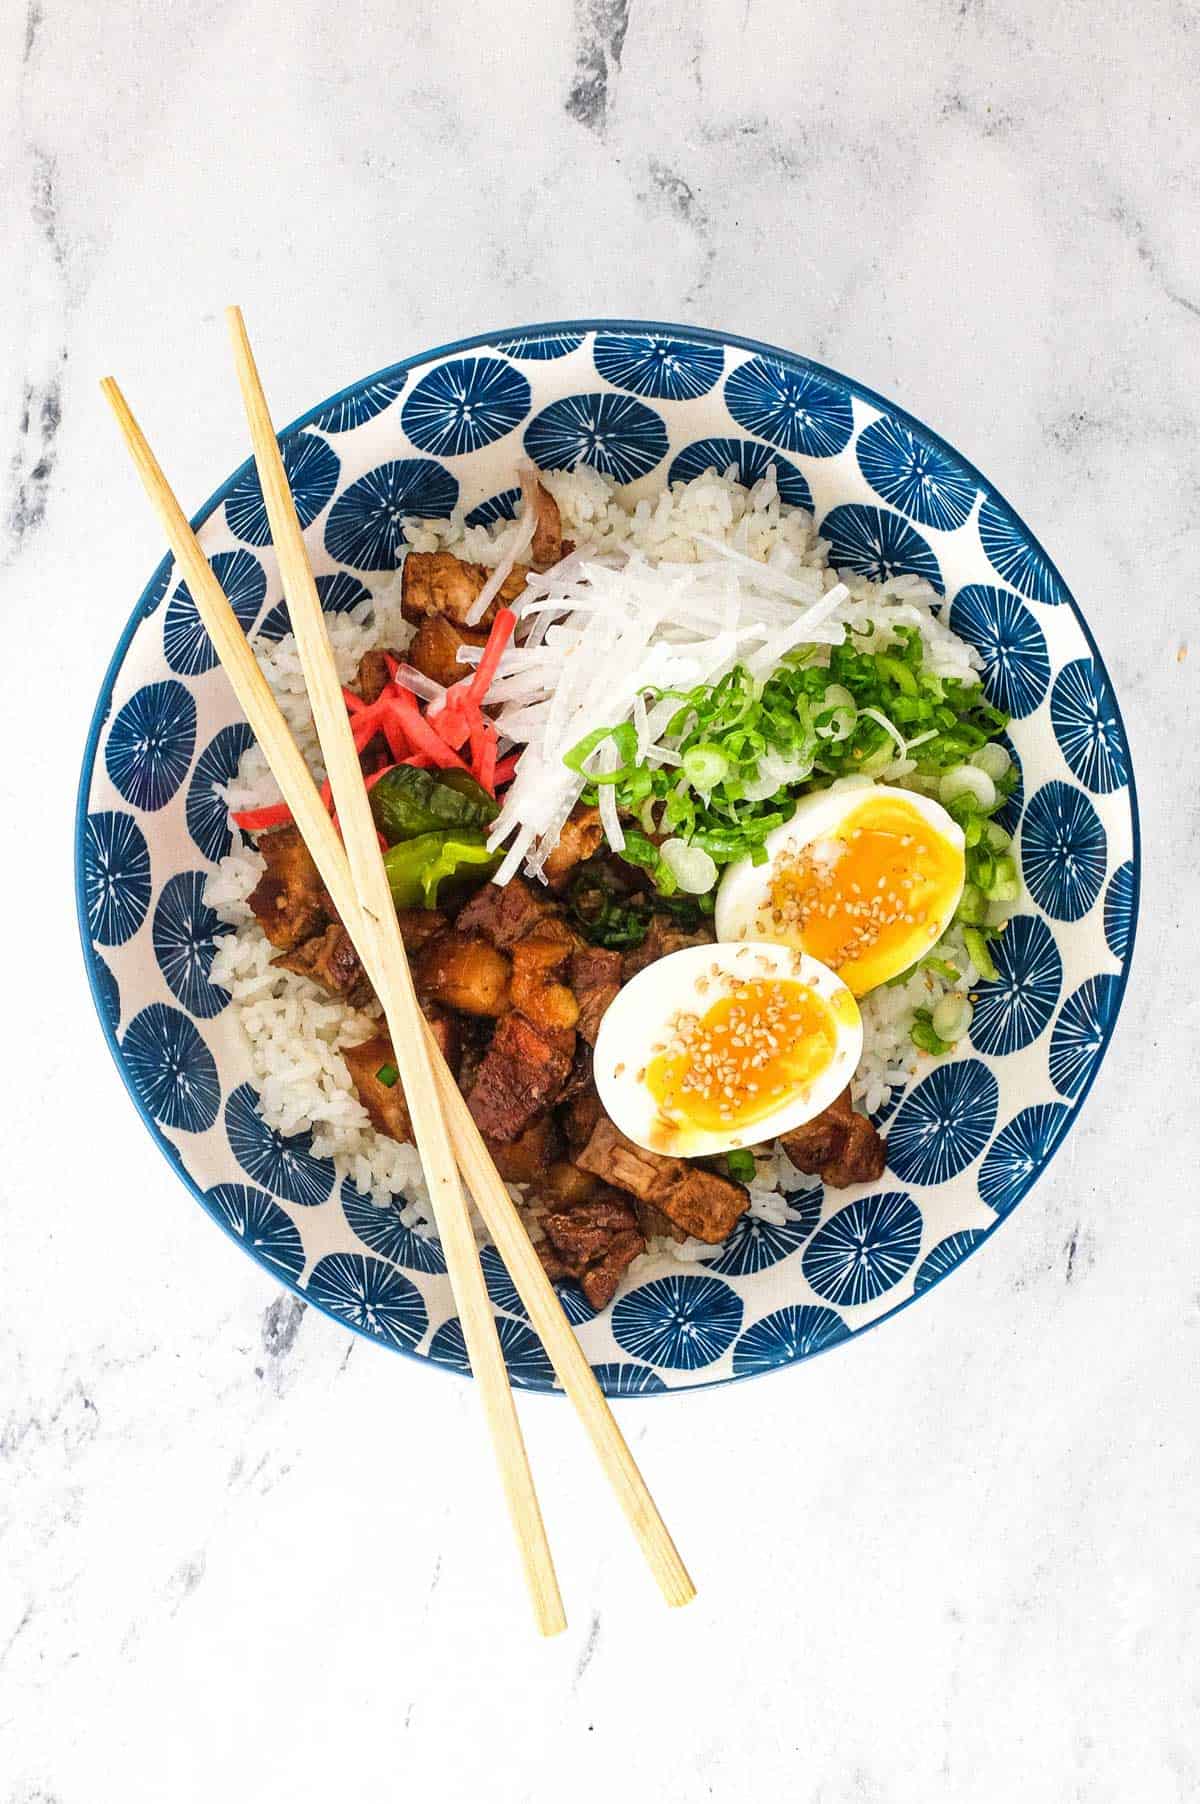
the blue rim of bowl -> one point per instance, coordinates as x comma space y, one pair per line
549, 328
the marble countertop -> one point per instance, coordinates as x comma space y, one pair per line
955, 1563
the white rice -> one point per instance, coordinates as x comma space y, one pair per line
295, 1031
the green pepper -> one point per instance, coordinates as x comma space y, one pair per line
417, 867
406, 802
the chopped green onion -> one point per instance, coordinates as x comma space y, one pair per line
878, 761
897, 672
993, 760
967, 780
835, 724
640, 851
941, 967
996, 837
389, 1075
951, 1018
971, 906
1005, 885
979, 954
741, 1164
623, 737
925, 1037
705, 766
982, 866
693, 869
745, 749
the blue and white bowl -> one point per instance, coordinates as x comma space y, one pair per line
645, 404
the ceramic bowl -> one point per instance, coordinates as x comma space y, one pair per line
645, 403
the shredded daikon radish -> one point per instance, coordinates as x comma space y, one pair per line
408, 678
601, 631
609, 818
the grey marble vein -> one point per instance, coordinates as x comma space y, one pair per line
600, 28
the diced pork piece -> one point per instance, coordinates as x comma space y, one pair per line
563, 1184
434, 651
373, 674
290, 901
817, 1142
655, 1225
504, 915
384, 1103
420, 925
435, 582
539, 960
582, 1077
700, 1202
861, 1158
553, 1264
595, 977
462, 971
329, 959
592, 1243
580, 1117
475, 1034
447, 1031
520, 1076
526, 1159
581, 835
601, 1281
547, 546
662, 936
839, 1145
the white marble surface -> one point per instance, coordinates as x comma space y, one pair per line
244, 1557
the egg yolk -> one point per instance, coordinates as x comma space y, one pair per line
871, 899
748, 1054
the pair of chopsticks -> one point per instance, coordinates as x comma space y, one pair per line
448, 1141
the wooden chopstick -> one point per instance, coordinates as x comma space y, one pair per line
363, 900
377, 938
491, 1196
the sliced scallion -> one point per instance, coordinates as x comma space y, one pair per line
925, 1037
992, 759
968, 780
971, 906
1005, 885
979, 954
951, 1017
705, 766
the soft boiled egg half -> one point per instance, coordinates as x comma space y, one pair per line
863, 877
717, 1047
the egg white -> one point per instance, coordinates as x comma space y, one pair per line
743, 896
642, 1015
